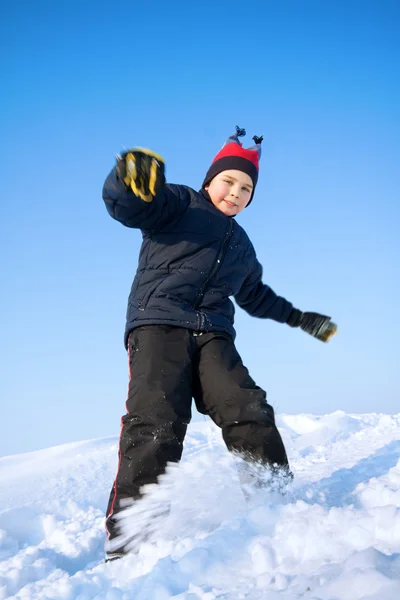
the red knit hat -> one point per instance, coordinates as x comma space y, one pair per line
234, 156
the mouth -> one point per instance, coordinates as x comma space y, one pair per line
229, 203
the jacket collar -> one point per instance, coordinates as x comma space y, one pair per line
205, 194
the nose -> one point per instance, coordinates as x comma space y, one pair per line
235, 193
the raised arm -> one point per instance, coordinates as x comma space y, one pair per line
136, 195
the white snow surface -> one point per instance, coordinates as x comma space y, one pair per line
334, 536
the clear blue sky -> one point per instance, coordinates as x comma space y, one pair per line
81, 80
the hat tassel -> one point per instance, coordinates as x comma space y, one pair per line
240, 132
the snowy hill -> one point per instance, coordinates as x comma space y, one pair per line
335, 536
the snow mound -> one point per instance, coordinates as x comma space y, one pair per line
334, 535
301, 424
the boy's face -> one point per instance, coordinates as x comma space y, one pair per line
230, 191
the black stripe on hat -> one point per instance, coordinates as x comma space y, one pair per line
232, 162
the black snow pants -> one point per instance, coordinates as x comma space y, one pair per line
168, 367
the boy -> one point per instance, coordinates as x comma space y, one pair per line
179, 330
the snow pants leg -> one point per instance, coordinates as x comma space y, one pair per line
158, 410
168, 366
225, 391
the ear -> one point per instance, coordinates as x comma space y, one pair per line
207, 186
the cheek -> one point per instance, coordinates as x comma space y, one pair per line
223, 190
244, 201
215, 194
218, 192
246, 197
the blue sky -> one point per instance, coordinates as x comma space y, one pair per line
320, 81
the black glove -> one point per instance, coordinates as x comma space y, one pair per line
319, 326
143, 171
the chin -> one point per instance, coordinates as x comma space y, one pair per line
229, 212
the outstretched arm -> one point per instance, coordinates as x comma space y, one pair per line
259, 300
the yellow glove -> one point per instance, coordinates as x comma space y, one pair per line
143, 171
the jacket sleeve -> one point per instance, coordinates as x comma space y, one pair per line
131, 211
259, 300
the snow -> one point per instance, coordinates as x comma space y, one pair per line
334, 536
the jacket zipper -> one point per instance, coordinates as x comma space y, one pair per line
214, 270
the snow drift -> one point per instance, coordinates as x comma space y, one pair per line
334, 536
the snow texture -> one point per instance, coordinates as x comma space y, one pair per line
335, 534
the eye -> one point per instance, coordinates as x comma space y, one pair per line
246, 189
228, 181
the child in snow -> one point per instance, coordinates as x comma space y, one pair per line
179, 329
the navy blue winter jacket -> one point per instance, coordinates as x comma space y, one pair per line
192, 259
